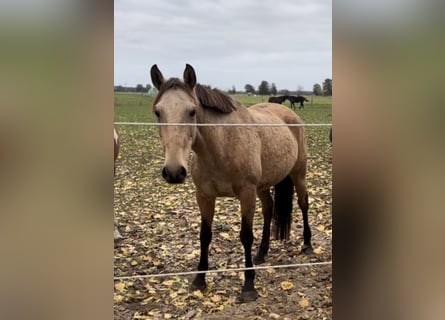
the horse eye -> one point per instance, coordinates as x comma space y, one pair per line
157, 113
192, 113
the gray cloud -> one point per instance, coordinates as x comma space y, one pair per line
230, 42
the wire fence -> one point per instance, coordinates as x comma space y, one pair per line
225, 124
185, 273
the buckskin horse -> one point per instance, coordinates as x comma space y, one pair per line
237, 161
117, 234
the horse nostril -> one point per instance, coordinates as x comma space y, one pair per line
182, 172
164, 173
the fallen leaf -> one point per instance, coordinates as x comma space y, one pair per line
119, 286
225, 235
168, 282
304, 303
198, 294
287, 285
318, 250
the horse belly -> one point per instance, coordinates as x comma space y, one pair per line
278, 157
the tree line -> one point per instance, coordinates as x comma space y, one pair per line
138, 88
265, 89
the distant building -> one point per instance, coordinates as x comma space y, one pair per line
153, 91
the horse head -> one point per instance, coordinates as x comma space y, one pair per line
175, 103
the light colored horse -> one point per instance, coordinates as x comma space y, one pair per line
236, 161
117, 234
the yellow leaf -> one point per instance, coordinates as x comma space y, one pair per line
167, 283
167, 316
320, 227
173, 295
118, 298
304, 303
216, 298
225, 235
198, 294
318, 250
133, 262
286, 285
119, 286
263, 293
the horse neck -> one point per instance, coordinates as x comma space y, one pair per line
214, 139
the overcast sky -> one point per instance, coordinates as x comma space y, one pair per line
228, 42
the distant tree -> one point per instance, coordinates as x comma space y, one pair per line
249, 89
147, 87
263, 88
273, 89
300, 90
317, 89
284, 92
139, 88
327, 87
233, 90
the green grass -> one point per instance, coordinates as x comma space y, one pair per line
131, 107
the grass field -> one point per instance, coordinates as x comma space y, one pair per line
130, 107
160, 228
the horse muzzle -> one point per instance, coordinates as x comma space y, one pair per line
174, 175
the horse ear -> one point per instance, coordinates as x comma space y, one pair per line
156, 77
189, 76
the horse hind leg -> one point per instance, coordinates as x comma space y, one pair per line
266, 208
303, 203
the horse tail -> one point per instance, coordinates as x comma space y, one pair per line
282, 212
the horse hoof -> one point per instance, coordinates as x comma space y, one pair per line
247, 296
197, 285
259, 259
307, 249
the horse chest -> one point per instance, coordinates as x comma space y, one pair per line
215, 185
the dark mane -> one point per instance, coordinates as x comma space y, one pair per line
214, 99
209, 98
172, 83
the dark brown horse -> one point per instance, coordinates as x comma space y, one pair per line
237, 161
278, 99
298, 99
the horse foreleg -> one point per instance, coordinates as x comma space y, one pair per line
207, 208
247, 198
266, 208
